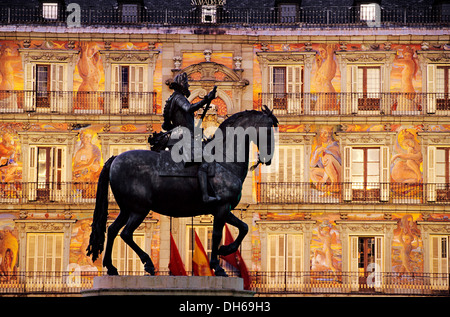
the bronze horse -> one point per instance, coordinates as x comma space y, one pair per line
138, 188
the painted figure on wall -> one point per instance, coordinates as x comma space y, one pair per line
9, 59
324, 248
325, 159
10, 165
406, 163
407, 246
86, 165
89, 69
79, 243
325, 71
407, 100
9, 248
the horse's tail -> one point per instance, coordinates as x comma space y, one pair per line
97, 238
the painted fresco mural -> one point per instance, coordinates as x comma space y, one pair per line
326, 246
88, 75
407, 247
9, 247
325, 161
405, 77
324, 166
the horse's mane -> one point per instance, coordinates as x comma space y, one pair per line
231, 121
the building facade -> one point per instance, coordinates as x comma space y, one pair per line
358, 198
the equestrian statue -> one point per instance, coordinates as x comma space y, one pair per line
143, 180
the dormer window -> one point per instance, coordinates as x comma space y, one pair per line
209, 13
368, 11
130, 13
129, 10
208, 10
50, 10
287, 12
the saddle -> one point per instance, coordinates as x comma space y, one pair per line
167, 167
162, 142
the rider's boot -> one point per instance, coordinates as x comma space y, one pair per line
203, 182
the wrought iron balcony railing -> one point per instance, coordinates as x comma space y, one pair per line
359, 104
73, 102
306, 17
364, 193
315, 104
304, 282
268, 193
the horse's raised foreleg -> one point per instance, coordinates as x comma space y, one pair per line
113, 229
243, 230
219, 223
127, 235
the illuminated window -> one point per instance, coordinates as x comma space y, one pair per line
209, 14
284, 253
368, 12
50, 10
45, 252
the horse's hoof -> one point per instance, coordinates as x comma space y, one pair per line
220, 272
149, 269
112, 271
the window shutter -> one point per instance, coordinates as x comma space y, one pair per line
347, 188
431, 88
294, 252
431, 173
439, 261
354, 272
32, 172
356, 86
294, 88
379, 254
57, 100
137, 100
384, 98
58, 171
268, 98
30, 89
114, 103
379, 267
384, 173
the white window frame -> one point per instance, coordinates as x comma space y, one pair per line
62, 67
383, 140
287, 168
439, 261
50, 10
45, 251
209, 14
377, 269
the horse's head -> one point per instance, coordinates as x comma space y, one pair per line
266, 137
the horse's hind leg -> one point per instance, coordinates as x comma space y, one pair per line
219, 222
113, 229
243, 230
133, 223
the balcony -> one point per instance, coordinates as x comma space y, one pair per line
268, 193
344, 193
263, 283
357, 104
81, 102
48, 192
305, 17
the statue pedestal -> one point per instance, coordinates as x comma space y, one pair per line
167, 285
